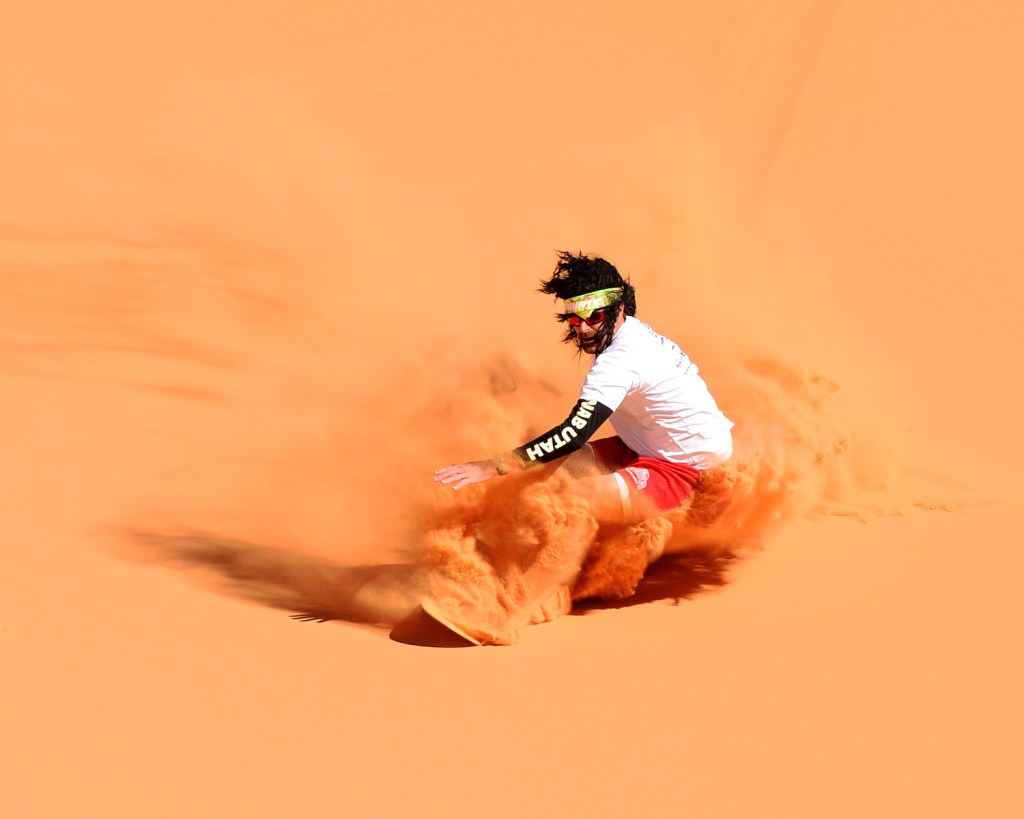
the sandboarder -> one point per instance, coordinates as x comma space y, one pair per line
668, 427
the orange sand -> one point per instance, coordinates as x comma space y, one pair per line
264, 268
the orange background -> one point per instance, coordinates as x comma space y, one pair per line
238, 238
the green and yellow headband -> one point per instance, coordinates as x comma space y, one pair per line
589, 302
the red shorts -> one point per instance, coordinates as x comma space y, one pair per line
662, 483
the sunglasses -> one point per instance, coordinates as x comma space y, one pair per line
595, 319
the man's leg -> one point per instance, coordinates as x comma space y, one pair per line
594, 477
611, 499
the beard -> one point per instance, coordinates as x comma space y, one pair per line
598, 342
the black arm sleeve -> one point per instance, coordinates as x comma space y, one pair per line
567, 437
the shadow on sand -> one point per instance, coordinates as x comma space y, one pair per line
385, 596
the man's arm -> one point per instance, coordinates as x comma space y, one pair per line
557, 442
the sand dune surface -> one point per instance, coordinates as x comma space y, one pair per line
263, 268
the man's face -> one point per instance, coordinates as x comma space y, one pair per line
589, 337
593, 318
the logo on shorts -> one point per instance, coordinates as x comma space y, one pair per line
639, 475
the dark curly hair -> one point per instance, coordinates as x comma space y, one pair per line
576, 274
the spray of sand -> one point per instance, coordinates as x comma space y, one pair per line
497, 552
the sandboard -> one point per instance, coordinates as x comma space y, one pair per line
434, 610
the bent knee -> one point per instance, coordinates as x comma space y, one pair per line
607, 495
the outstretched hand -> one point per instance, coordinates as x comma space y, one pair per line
466, 474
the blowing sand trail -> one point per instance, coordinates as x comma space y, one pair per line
262, 270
